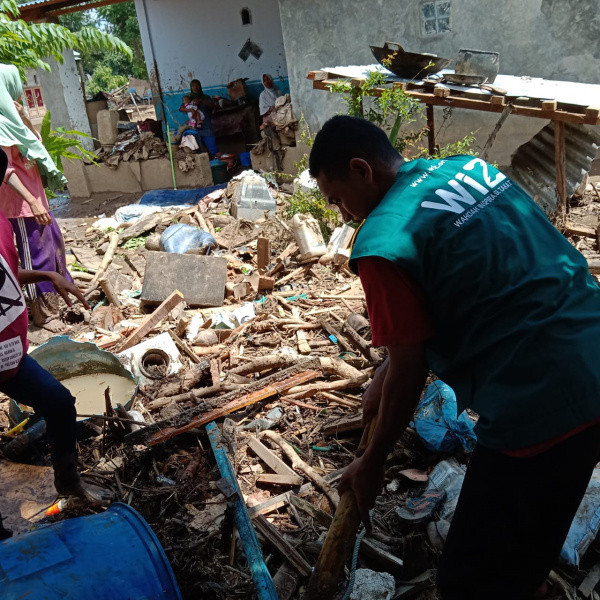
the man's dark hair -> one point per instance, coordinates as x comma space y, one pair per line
344, 138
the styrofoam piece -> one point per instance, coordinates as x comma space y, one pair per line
132, 356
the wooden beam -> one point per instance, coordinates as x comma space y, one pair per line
263, 253
246, 400
151, 321
272, 460
484, 105
560, 164
90, 6
430, 130
272, 535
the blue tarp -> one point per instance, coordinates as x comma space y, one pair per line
436, 421
177, 197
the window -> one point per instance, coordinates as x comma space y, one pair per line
435, 17
246, 16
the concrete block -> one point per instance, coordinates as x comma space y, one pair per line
201, 279
102, 178
156, 174
252, 199
76, 174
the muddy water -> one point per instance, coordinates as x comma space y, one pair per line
89, 391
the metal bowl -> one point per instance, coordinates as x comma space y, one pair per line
408, 65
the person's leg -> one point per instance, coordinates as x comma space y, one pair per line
35, 387
512, 518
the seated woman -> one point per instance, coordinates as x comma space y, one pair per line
266, 100
204, 103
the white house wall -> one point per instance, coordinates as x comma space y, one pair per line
201, 39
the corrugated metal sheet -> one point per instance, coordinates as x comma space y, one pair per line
533, 164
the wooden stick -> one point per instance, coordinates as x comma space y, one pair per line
151, 321
247, 400
329, 386
290, 553
560, 163
299, 465
263, 252
109, 291
272, 460
106, 260
338, 544
264, 363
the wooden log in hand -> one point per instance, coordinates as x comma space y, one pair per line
339, 542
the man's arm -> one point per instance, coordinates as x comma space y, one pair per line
62, 286
400, 393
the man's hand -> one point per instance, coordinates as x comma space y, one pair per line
20, 109
40, 214
64, 287
365, 482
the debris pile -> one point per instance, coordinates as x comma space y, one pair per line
131, 145
252, 354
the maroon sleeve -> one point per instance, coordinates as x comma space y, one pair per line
395, 302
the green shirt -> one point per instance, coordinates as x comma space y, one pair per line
515, 310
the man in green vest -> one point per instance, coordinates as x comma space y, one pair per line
465, 276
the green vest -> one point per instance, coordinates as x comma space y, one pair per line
515, 310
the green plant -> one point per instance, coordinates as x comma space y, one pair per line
104, 80
391, 108
59, 145
28, 45
134, 243
312, 202
77, 266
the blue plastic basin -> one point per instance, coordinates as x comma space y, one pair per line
109, 556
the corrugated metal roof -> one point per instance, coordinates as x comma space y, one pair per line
533, 164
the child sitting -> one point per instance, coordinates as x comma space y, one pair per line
195, 115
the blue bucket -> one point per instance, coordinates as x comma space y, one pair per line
245, 159
110, 555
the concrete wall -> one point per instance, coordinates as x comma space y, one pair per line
63, 97
134, 176
554, 39
201, 39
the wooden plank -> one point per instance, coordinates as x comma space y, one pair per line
430, 130
270, 532
276, 479
581, 230
594, 266
592, 112
549, 104
271, 459
483, 105
561, 165
151, 321
498, 100
246, 400
353, 423
263, 251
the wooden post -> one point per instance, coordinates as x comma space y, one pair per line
263, 251
561, 167
339, 542
430, 129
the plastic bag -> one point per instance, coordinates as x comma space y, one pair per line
437, 424
134, 212
180, 238
585, 525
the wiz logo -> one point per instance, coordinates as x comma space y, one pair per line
461, 194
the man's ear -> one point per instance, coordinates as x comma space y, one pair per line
362, 169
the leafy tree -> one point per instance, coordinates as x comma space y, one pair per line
28, 45
119, 20
104, 80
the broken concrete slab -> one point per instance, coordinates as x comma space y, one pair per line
370, 585
252, 199
201, 279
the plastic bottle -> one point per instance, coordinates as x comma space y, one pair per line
308, 237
